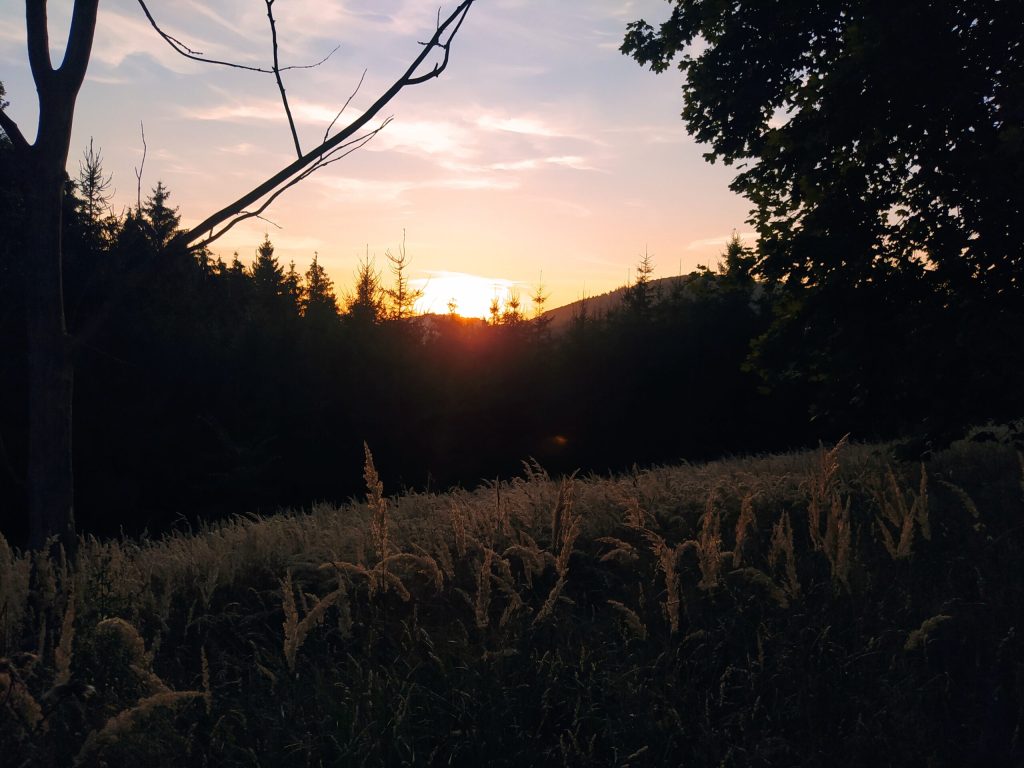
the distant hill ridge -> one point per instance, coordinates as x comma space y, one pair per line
602, 304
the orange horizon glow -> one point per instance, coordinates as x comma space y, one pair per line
471, 295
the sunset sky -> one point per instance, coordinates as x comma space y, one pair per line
541, 150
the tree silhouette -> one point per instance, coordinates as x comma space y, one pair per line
163, 220
267, 273
873, 137
402, 296
638, 298
40, 170
318, 299
366, 304
94, 188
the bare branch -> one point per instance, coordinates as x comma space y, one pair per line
345, 150
446, 47
345, 105
13, 132
277, 76
187, 52
38, 43
296, 170
138, 171
182, 49
79, 47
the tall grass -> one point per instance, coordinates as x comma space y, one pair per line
823, 608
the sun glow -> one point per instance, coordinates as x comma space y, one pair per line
466, 295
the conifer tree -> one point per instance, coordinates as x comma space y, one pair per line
161, 220
512, 314
94, 191
402, 296
293, 288
639, 298
319, 300
267, 273
366, 304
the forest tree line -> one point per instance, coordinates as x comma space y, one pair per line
205, 388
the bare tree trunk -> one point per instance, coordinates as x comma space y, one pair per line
50, 478
42, 170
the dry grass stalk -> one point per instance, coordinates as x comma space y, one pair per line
965, 499
631, 619
482, 605
709, 545
295, 631
838, 541
125, 722
444, 558
532, 559
458, 522
548, 609
566, 526
781, 549
378, 506
828, 515
667, 558
424, 563
621, 551
919, 636
746, 522
898, 518
387, 580
823, 488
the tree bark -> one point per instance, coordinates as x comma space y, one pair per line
50, 477
42, 170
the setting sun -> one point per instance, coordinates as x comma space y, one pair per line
468, 295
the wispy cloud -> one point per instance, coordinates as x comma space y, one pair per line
721, 241
385, 191
531, 164
528, 126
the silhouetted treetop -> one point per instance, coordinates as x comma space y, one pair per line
318, 298
162, 220
872, 136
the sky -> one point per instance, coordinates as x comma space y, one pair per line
541, 155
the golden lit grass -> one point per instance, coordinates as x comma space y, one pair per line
652, 554
141, 577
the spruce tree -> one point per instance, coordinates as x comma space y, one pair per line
402, 296
162, 221
319, 300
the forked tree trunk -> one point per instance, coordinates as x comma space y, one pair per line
42, 171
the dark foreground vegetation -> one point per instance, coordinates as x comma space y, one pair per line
824, 608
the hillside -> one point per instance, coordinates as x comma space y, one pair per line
600, 305
822, 608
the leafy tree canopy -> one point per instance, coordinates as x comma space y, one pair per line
871, 136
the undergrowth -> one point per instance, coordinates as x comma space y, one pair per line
826, 608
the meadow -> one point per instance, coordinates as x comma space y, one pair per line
832, 607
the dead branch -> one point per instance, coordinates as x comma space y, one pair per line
189, 53
277, 76
138, 171
338, 153
344, 106
14, 132
342, 141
